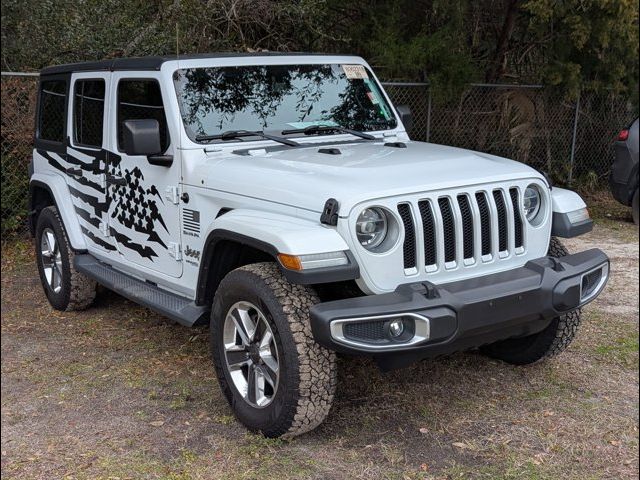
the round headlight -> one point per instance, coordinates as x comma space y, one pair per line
532, 202
371, 227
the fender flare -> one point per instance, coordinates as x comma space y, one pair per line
57, 188
268, 234
564, 201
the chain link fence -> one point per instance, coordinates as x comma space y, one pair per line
570, 140
18, 112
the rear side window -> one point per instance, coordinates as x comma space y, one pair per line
88, 112
53, 99
141, 99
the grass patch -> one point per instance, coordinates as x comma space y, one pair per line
622, 350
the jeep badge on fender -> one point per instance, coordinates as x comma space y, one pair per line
278, 198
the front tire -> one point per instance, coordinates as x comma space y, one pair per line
65, 287
551, 341
274, 375
634, 207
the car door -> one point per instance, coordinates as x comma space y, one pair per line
86, 157
143, 212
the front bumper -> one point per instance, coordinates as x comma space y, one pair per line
461, 315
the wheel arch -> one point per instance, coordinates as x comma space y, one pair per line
51, 190
240, 237
224, 251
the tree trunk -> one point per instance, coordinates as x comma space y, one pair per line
497, 66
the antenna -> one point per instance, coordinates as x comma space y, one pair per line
178, 31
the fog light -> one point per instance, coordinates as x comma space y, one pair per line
396, 328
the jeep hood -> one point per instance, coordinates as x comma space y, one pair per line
306, 177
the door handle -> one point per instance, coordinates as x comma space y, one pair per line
116, 181
76, 172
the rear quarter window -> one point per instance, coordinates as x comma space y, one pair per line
52, 111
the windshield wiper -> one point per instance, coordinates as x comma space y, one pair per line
320, 129
235, 134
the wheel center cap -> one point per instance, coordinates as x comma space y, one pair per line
254, 353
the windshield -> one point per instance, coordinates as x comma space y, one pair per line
280, 97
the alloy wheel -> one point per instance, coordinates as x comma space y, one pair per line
51, 259
251, 354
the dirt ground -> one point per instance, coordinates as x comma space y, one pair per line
119, 392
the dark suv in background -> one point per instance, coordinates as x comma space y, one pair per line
624, 172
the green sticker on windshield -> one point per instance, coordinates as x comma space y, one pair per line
377, 99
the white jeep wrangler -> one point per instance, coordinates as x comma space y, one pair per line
279, 198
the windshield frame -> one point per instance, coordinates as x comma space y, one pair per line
284, 60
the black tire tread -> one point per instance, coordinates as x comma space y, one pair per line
82, 289
551, 341
317, 367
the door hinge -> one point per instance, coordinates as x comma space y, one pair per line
175, 251
104, 229
172, 194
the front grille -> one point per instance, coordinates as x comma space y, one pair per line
475, 226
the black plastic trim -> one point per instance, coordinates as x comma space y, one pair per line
310, 277
32, 211
144, 292
562, 226
468, 313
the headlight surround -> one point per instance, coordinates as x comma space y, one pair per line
372, 227
532, 202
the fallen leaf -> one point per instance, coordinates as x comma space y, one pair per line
157, 423
424, 430
459, 444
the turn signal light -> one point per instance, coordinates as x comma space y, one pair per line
290, 262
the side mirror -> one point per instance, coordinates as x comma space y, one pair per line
405, 116
141, 137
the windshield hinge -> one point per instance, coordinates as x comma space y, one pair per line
175, 251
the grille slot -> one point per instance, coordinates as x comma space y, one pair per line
449, 229
485, 223
467, 225
502, 220
409, 246
517, 233
429, 230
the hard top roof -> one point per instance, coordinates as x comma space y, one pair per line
154, 63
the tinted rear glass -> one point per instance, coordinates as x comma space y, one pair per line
53, 100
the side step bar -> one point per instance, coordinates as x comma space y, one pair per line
177, 308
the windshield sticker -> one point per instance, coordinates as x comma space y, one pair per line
376, 98
315, 123
354, 72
